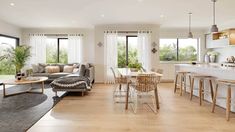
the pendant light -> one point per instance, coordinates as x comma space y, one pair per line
190, 34
214, 27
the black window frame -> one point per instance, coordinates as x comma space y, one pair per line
127, 47
177, 49
12, 37
58, 49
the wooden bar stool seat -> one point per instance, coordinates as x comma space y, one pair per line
229, 84
182, 76
201, 80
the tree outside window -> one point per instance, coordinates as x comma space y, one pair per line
178, 49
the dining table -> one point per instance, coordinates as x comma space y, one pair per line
130, 75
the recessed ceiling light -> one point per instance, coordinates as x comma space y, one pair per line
102, 15
162, 16
12, 4
73, 21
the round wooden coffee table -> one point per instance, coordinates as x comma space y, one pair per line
30, 80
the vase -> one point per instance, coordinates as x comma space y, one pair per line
212, 58
207, 58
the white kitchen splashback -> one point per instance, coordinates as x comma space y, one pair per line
225, 53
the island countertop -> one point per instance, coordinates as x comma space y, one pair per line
210, 69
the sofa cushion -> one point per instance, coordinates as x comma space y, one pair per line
52, 69
41, 67
68, 69
60, 65
82, 70
41, 74
35, 68
57, 75
75, 70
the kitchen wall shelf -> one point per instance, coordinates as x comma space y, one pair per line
221, 39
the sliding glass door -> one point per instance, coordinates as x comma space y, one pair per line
7, 70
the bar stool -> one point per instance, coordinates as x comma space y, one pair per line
228, 83
201, 80
182, 75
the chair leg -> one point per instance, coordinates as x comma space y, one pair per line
115, 91
228, 104
211, 89
200, 91
192, 85
214, 98
176, 81
156, 98
181, 85
185, 87
136, 103
190, 81
203, 90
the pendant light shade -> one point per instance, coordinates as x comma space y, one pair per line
190, 34
214, 27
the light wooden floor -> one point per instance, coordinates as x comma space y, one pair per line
97, 113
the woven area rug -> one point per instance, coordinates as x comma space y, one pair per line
19, 112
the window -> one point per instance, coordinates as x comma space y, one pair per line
57, 50
127, 50
6, 69
179, 49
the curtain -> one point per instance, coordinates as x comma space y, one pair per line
75, 48
38, 48
110, 55
144, 49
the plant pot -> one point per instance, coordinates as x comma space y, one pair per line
212, 58
134, 70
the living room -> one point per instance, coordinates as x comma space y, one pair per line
77, 65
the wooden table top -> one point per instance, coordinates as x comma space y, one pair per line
26, 81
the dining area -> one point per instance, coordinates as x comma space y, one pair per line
133, 86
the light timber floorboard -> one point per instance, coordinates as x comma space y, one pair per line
96, 112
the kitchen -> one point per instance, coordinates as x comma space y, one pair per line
218, 63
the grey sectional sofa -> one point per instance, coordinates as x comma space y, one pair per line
39, 70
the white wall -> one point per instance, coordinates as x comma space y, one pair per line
9, 29
88, 47
99, 37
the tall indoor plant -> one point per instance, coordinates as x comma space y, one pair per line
18, 56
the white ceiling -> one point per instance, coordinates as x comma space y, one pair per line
88, 13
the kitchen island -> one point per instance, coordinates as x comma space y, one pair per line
215, 70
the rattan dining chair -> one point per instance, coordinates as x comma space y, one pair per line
144, 86
118, 91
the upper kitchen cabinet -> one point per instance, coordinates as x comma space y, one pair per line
221, 39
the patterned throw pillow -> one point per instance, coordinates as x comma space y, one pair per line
41, 67
52, 69
35, 68
68, 69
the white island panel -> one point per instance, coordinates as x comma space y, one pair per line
212, 70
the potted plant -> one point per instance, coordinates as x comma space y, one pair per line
212, 55
18, 56
135, 67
